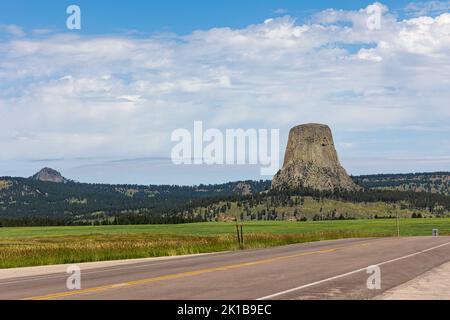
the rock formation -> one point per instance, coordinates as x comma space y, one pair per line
243, 188
49, 175
311, 161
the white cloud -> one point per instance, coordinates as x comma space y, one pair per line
280, 11
12, 29
65, 95
427, 8
42, 31
368, 54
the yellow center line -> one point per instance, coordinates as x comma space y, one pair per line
185, 274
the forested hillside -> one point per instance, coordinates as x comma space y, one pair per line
28, 201
436, 182
70, 201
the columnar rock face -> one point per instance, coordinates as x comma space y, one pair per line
311, 161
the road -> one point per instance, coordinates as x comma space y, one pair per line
319, 270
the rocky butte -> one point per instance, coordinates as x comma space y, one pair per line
311, 161
49, 175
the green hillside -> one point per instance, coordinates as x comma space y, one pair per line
436, 182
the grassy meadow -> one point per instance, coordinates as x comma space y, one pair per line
32, 246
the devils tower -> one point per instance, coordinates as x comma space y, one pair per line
311, 161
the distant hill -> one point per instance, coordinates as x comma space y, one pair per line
49, 175
434, 182
48, 194
48, 198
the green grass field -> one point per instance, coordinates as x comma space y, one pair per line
409, 227
53, 245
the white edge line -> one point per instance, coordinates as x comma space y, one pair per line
347, 274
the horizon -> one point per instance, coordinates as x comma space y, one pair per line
100, 103
68, 179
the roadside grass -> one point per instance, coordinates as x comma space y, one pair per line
35, 251
33, 246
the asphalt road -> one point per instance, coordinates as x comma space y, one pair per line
320, 270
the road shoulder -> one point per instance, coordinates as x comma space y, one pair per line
432, 285
62, 268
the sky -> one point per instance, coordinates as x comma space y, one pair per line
100, 104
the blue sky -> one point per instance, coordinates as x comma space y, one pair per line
100, 103
179, 16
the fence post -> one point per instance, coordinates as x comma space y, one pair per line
242, 237
238, 235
